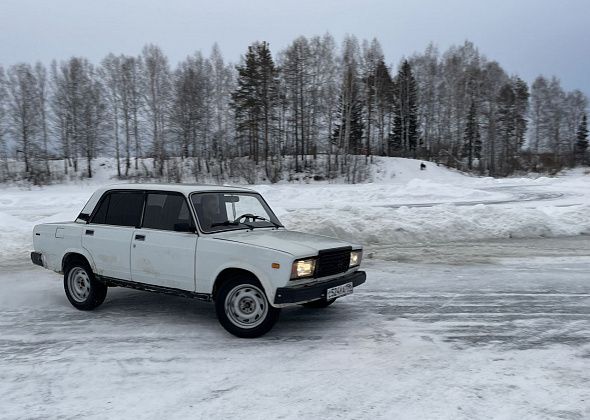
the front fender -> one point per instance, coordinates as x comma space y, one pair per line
265, 281
214, 256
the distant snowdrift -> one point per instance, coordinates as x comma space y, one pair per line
356, 212
399, 170
443, 223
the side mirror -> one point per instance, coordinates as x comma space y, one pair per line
184, 227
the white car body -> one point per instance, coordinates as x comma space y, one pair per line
188, 263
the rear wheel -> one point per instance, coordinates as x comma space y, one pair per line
243, 308
320, 303
82, 289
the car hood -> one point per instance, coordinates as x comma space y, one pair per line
298, 244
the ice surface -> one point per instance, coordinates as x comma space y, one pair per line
500, 335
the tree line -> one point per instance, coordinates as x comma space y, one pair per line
316, 108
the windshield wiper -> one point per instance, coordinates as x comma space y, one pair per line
228, 223
249, 225
264, 219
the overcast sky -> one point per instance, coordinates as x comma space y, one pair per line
527, 37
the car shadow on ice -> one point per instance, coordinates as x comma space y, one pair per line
144, 311
133, 303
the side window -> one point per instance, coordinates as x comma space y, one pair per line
120, 209
167, 212
210, 209
101, 213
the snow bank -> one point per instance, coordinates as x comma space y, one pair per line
532, 207
442, 223
416, 191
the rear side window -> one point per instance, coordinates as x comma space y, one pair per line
167, 212
120, 209
101, 214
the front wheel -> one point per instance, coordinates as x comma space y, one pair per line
82, 290
243, 309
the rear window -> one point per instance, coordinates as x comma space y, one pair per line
120, 209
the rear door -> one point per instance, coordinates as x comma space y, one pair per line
163, 249
107, 236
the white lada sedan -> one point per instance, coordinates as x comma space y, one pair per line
220, 244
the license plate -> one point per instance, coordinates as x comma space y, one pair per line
337, 291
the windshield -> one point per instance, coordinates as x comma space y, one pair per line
229, 211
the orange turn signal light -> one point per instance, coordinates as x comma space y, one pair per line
276, 265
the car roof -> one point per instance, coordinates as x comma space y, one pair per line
182, 188
185, 189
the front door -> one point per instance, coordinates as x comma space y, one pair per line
163, 249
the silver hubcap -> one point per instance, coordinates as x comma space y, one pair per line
79, 284
246, 306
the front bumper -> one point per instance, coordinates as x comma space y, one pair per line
314, 291
36, 258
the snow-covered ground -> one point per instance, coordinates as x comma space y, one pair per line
402, 205
476, 306
504, 334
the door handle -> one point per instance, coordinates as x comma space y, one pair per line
140, 237
89, 232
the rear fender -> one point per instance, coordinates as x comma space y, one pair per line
79, 251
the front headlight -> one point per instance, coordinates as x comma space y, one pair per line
303, 268
355, 258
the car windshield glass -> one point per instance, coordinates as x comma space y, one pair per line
229, 211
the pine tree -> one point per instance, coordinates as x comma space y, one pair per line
405, 121
268, 95
255, 100
372, 58
582, 136
521, 108
472, 137
383, 92
246, 107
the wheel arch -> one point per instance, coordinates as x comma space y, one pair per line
76, 254
228, 274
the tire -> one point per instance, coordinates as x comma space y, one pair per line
243, 308
82, 289
320, 303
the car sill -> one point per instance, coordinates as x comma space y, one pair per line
110, 281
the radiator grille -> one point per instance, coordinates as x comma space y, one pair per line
333, 261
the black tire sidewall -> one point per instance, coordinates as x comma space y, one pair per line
98, 290
271, 317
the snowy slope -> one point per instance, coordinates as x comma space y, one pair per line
402, 205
